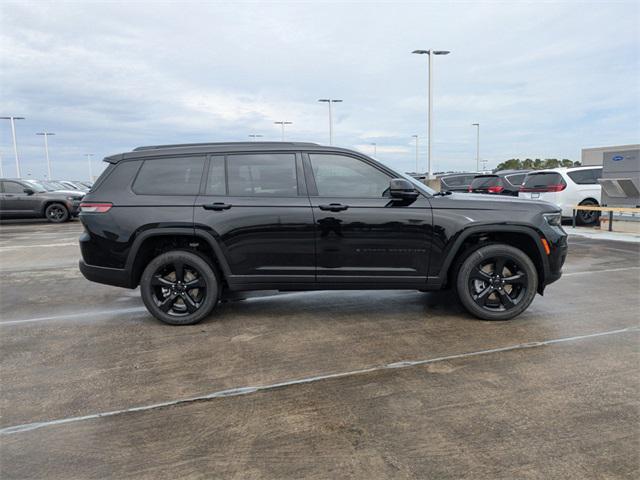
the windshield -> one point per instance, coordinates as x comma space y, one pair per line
38, 187
421, 186
52, 186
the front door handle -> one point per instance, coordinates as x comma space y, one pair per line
333, 207
217, 206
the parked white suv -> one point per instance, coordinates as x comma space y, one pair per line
566, 187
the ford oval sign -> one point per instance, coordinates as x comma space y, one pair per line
617, 158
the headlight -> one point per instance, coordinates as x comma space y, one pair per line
553, 219
74, 199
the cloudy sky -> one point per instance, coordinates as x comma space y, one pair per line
544, 79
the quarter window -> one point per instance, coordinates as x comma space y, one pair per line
170, 176
342, 176
586, 177
264, 175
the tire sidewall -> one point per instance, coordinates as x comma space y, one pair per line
204, 268
579, 214
487, 252
57, 205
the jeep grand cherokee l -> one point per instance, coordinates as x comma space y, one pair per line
192, 223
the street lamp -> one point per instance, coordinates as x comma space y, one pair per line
329, 101
416, 137
89, 155
45, 134
375, 148
431, 53
477, 146
253, 136
15, 144
283, 123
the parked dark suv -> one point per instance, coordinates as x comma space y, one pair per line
505, 182
193, 223
28, 198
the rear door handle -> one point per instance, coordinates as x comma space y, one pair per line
217, 206
333, 207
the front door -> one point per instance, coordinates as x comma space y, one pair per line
256, 207
362, 236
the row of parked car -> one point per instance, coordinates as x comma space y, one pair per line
564, 187
56, 200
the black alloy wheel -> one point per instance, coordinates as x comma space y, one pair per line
497, 282
179, 288
588, 217
57, 213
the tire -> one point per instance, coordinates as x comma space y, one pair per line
56, 213
491, 295
166, 293
588, 217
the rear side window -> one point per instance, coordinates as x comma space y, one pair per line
13, 187
586, 177
541, 180
263, 175
516, 179
485, 181
170, 176
216, 182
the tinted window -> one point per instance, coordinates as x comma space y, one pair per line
170, 176
216, 183
516, 179
13, 187
586, 177
341, 176
264, 174
457, 180
539, 180
485, 181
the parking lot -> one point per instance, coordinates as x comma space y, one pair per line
388, 384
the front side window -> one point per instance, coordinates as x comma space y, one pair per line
263, 175
342, 176
170, 176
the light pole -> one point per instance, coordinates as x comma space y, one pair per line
375, 149
431, 53
283, 123
416, 137
45, 134
89, 155
477, 146
1, 173
253, 136
329, 101
15, 144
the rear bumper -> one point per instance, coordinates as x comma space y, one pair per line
109, 276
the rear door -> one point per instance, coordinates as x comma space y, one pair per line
15, 201
361, 235
256, 207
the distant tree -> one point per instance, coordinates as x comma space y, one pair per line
537, 164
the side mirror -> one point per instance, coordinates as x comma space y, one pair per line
28, 191
402, 189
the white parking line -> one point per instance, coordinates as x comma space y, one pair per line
16, 247
234, 392
117, 311
621, 269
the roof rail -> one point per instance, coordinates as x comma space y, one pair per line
218, 144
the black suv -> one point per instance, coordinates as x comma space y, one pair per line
28, 198
192, 224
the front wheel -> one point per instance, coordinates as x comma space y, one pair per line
497, 282
179, 288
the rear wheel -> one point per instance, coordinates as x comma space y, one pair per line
497, 282
56, 213
588, 217
179, 288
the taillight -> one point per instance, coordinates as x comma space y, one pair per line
470, 190
95, 207
496, 189
547, 188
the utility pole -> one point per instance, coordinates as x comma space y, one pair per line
15, 143
416, 137
329, 101
89, 155
45, 134
1, 173
431, 53
477, 125
283, 123
375, 149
